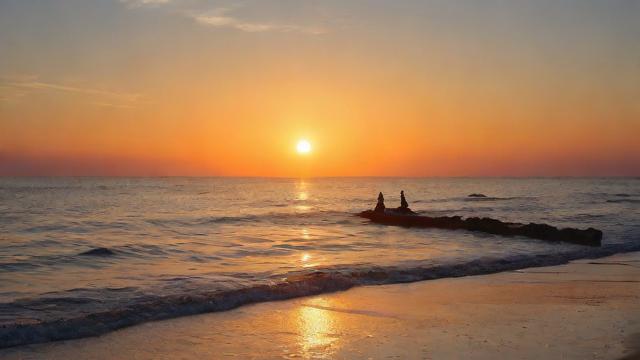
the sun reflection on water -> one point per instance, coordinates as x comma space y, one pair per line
317, 329
308, 261
302, 195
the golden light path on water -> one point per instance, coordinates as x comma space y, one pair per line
316, 326
302, 195
318, 329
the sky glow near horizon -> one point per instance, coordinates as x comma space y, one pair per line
382, 88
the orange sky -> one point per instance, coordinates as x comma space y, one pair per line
405, 88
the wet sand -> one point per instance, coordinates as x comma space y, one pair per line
588, 309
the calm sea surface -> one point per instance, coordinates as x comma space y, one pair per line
187, 245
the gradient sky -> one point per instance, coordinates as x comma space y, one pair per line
387, 88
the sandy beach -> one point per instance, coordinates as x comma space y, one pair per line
588, 309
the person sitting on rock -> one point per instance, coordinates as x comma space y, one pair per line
403, 202
404, 205
380, 205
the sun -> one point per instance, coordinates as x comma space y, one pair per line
303, 147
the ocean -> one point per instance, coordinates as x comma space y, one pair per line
83, 256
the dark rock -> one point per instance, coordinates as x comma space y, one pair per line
400, 211
590, 236
477, 195
101, 251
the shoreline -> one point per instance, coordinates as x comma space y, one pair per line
323, 281
561, 306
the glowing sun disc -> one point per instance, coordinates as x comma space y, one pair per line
303, 147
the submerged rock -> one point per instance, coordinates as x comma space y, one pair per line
101, 251
590, 236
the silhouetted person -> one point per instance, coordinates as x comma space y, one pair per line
380, 205
404, 205
403, 202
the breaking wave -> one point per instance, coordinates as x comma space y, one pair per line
296, 284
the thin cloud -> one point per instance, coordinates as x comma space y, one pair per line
12, 88
140, 3
220, 18
111, 105
65, 88
9, 94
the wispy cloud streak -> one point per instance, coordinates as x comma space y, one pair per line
13, 88
140, 3
221, 18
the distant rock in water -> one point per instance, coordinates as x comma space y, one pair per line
477, 195
101, 251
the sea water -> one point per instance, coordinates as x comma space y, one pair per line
81, 256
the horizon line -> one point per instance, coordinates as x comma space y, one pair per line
335, 177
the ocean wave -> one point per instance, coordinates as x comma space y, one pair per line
79, 227
625, 200
17, 266
93, 257
496, 198
46, 228
472, 198
270, 217
98, 319
585, 217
